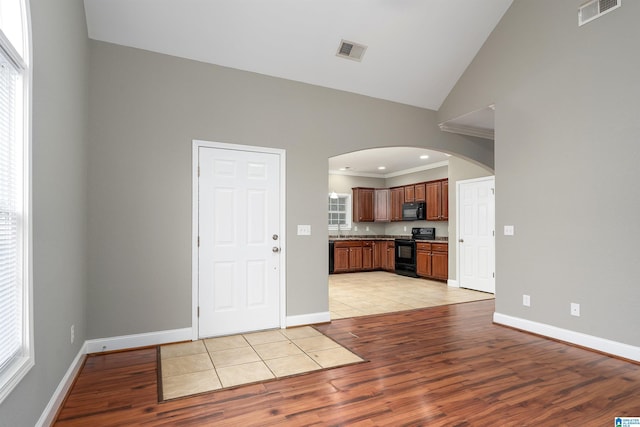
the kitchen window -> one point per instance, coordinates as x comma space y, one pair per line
16, 330
339, 212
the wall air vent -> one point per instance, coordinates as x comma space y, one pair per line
595, 9
351, 50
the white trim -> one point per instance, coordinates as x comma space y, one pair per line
468, 130
48, 415
137, 340
308, 319
391, 174
453, 283
601, 344
194, 224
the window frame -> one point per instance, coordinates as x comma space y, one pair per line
348, 207
18, 367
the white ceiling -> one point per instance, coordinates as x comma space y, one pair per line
396, 160
417, 49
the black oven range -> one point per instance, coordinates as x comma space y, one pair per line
406, 250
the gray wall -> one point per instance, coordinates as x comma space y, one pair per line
60, 76
566, 162
145, 110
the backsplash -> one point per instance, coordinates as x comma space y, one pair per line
392, 229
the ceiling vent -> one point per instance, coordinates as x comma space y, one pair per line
595, 9
351, 50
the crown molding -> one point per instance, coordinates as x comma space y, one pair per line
468, 130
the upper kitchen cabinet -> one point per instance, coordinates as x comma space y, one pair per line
397, 199
363, 204
437, 197
409, 193
382, 205
419, 191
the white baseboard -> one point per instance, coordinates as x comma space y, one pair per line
308, 319
100, 345
138, 340
453, 283
606, 346
48, 415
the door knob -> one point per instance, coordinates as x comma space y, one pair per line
275, 249
275, 237
461, 240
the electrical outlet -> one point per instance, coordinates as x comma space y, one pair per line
575, 309
526, 300
509, 230
367, 228
73, 333
405, 228
355, 228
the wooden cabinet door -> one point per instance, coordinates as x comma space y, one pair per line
382, 205
362, 204
440, 265
434, 200
397, 199
423, 263
378, 248
444, 206
391, 257
367, 256
420, 192
355, 259
340, 260
409, 194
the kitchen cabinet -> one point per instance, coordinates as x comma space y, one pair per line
419, 191
382, 205
340, 259
409, 193
379, 254
437, 197
432, 260
397, 199
362, 204
391, 256
347, 256
367, 255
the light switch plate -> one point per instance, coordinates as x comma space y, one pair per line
575, 309
304, 230
509, 230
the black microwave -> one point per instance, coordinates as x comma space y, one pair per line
414, 211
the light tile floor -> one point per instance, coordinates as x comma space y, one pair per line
377, 292
216, 363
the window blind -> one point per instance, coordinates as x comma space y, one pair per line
10, 257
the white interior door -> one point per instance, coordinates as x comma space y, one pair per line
239, 241
476, 234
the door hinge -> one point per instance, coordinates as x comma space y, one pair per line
494, 274
198, 241
198, 311
198, 171
493, 190
493, 233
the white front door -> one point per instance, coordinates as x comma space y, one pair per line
476, 234
239, 241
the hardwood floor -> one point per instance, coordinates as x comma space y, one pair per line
438, 366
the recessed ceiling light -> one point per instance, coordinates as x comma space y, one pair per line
343, 169
424, 156
381, 168
448, 155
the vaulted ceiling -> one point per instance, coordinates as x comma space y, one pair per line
416, 49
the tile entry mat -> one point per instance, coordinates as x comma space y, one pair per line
219, 363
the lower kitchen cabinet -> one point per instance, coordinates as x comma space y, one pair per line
367, 255
363, 255
432, 260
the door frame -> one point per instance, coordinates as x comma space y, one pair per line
457, 238
197, 144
